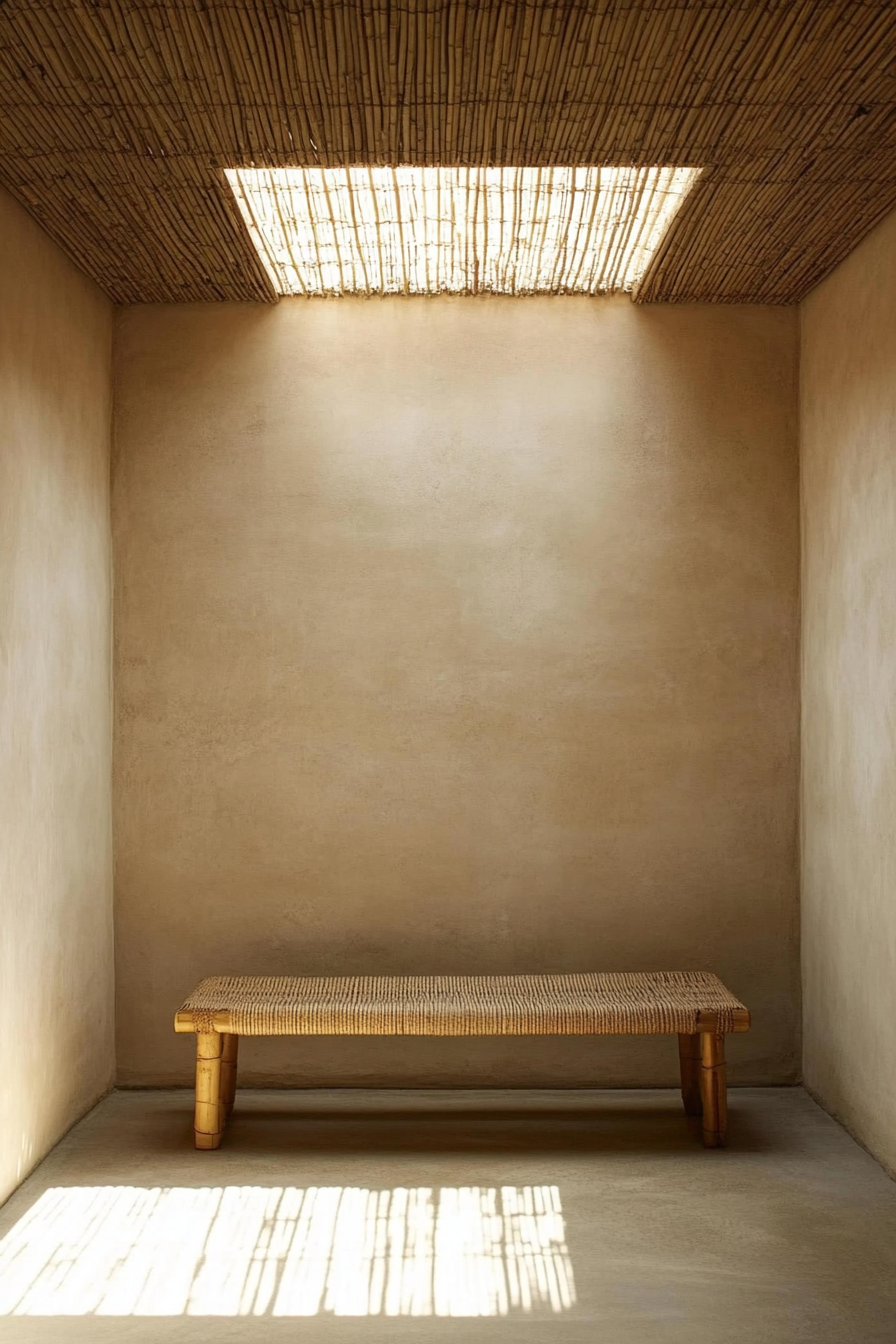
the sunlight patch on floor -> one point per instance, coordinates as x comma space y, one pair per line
282, 1251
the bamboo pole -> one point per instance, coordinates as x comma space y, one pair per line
690, 1063
713, 1090
208, 1122
230, 1044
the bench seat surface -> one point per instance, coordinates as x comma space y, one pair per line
624, 1003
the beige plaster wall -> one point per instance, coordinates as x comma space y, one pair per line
56, 1018
455, 635
848, 431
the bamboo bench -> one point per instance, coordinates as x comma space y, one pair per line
695, 1005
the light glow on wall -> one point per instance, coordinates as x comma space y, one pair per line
458, 230
262, 1251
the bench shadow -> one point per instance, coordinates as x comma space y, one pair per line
627, 1129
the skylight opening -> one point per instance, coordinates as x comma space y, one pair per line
458, 230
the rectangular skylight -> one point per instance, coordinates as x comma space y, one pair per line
458, 230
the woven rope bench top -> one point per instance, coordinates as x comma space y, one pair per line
625, 1003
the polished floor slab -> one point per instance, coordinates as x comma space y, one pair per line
465, 1216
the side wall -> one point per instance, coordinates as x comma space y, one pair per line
56, 1044
455, 635
849, 690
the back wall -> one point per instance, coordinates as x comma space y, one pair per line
455, 635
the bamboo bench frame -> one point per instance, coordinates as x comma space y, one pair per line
695, 1005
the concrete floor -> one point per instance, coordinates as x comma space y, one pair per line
788, 1235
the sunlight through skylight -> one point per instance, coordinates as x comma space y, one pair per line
458, 230
261, 1251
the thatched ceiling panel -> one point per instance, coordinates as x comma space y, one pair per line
120, 115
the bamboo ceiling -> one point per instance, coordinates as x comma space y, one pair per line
119, 117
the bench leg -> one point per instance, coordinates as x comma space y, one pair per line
690, 1059
229, 1050
208, 1122
713, 1090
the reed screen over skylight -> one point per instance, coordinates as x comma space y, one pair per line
458, 230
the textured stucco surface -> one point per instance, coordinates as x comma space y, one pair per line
848, 431
455, 635
55, 696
